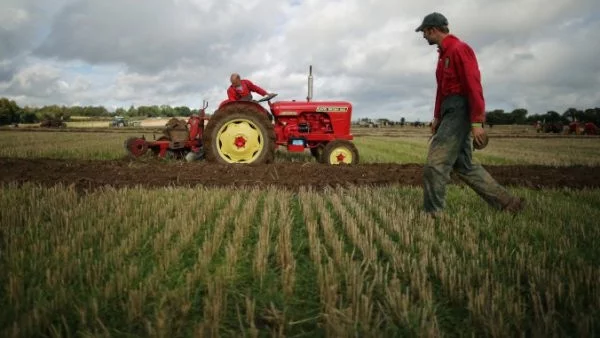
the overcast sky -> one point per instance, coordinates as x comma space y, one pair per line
537, 54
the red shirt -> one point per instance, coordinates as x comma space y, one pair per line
246, 87
458, 73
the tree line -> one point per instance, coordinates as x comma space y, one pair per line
520, 116
11, 112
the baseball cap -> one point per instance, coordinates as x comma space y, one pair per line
434, 19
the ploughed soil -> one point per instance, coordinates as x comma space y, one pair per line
155, 173
408, 132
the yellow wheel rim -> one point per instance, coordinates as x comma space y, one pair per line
340, 155
239, 141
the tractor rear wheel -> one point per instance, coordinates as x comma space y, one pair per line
340, 152
239, 133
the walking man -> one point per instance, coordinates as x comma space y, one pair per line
457, 125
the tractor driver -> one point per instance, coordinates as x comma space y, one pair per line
240, 89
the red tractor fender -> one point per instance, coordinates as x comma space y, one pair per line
254, 105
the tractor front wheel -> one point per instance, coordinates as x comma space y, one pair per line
239, 134
340, 152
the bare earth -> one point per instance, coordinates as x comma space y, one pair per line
156, 173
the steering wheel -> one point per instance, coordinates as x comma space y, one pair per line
267, 98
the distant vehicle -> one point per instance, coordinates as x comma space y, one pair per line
553, 127
120, 121
368, 123
52, 122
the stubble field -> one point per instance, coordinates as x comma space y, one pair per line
346, 253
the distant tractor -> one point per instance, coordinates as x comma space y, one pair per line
120, 121
590, 129
581, 128
246, 132
575, 128
52, 122
553, 127
368, 123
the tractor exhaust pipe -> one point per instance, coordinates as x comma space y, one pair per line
310, 85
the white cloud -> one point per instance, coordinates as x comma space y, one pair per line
178, 52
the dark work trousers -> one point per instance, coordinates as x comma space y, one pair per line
451, 148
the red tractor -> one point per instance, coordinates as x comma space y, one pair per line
580, 128
246, 132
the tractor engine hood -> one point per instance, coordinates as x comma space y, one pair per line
291, 108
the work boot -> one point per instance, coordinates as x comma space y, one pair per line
514, 205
